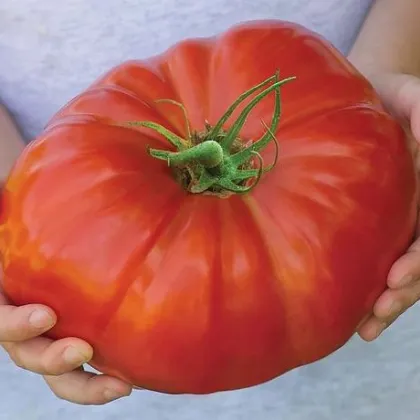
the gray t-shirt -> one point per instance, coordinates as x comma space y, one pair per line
51, 50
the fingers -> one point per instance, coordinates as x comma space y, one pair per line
61, 364
387, 309
47, 357
406, 270
59, 361
87, 388
402, 293
23, 323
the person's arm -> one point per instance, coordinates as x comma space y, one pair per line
11, 143
387, 52
389, 40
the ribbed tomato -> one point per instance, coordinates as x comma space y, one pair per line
192, 256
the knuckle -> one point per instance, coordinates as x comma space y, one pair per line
52, 370
19, 363
6, 333
65, 390
44, 368
5, 345
53, 363
58, 393
410, 298
12, 331
49, 367
16, 334
17, 358
411, 303
54, 387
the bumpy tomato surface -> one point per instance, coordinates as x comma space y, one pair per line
193, 272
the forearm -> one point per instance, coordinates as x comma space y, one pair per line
389, 41
11, 144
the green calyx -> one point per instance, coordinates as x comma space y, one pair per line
218, 162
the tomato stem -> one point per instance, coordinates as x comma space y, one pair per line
184, 112
214, 132
218, 162
175, 140
239, 123
209, 154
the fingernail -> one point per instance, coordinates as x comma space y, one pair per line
74, 357
41, 319
112, 394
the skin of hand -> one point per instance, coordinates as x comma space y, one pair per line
401, 95
386, 52
21, 328
60, 362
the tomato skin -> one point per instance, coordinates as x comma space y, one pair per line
183, 293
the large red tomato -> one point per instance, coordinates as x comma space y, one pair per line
188, 268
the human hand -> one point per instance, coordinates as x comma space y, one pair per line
401, 96
60, 362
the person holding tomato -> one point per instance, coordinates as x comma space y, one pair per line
386, 52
